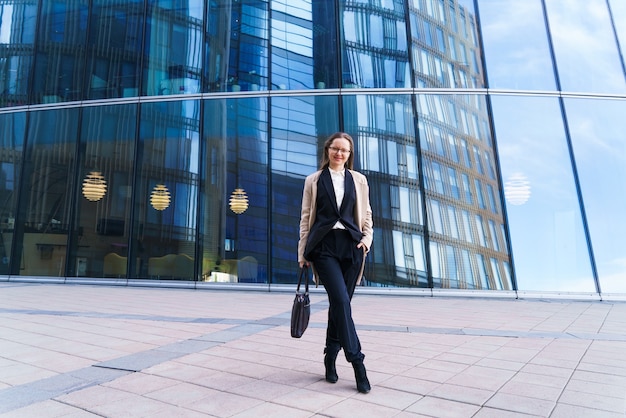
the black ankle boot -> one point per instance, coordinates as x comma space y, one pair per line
362, 384
329, 363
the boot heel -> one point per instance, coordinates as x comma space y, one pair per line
331, 369
362, 383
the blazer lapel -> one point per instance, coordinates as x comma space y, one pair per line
349, 189
327, 183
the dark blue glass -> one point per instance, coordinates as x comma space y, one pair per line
166, 190
12, 131
17, 38
59, 61
173, 48
103, 204
234, 226
114, 49
42, 225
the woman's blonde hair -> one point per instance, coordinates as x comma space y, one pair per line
326, 159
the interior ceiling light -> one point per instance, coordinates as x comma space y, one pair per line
238, 201
160, 197
94, 186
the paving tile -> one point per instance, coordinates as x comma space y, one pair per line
223, 380
136, 406
572, 411
391, 398
597, 388
463, 394
308, 400
521, 404
94, 396
411, 385
171, 411
49, 409
181, 394
530, 390
263, 390
269, 409
443, 408
500, 364
358, 406
524, 378
140, 383
480, 377
586, 376
487, 412
594, 401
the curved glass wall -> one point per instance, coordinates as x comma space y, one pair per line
168, 141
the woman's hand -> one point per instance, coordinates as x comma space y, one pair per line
361, 245
304, 263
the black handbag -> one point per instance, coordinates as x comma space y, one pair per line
301, 310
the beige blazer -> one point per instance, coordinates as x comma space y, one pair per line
362, 214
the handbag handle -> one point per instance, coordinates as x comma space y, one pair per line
304, 270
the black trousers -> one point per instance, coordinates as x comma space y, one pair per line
338, 263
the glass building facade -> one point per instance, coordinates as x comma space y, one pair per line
167, 141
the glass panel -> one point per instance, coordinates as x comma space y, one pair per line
298, 136
173, 48
467, 270
584, 44
440, 115
17, 37
59, 64
237, 45
394, 192
166, 190
291, 44
46, 202
12, 126
104, 197
545, 223
376, 52
235, 227
517, 52
597, 128
446, 52
114, 49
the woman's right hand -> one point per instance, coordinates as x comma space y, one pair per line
304, 263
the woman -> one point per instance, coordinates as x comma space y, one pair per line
335, 235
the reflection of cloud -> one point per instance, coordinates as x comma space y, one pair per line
585, 46
616, 282
517, 189
515, 49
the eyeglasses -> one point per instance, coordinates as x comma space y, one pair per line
339, 150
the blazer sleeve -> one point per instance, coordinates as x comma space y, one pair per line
364, 210
305, 217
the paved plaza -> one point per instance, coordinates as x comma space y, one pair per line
71, 350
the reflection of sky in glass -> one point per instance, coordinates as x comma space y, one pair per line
597, 129
294, 140
584, 45
548, 242
6, 15
516, 45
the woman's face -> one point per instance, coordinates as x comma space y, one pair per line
338, 153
